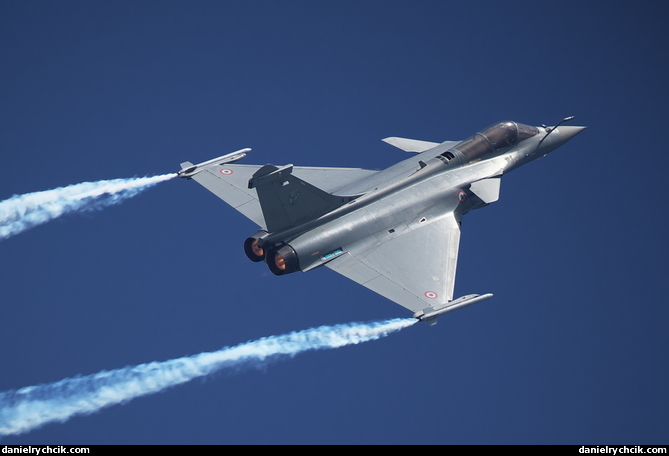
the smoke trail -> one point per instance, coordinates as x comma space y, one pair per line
27, 408
21, 212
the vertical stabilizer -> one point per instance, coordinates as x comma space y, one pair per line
288, 201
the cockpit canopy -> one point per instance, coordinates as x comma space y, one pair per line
494, 138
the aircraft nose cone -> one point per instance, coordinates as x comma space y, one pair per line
556, 138
569, 132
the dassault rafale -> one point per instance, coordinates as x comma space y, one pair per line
394, 231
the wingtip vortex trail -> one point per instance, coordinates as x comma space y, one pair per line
22, 212
31, 407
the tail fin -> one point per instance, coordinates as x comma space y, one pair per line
288, 201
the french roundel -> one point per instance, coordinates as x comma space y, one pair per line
431, 295
462, 196
226, 171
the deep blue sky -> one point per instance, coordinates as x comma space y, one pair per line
572, 348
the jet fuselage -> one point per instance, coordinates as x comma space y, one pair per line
418, 190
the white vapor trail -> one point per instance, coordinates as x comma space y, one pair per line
30, 407
21, 212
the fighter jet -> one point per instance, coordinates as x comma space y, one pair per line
395, 231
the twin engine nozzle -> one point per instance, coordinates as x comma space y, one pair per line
280, 259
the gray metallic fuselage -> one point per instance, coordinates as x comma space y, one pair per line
401, 198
